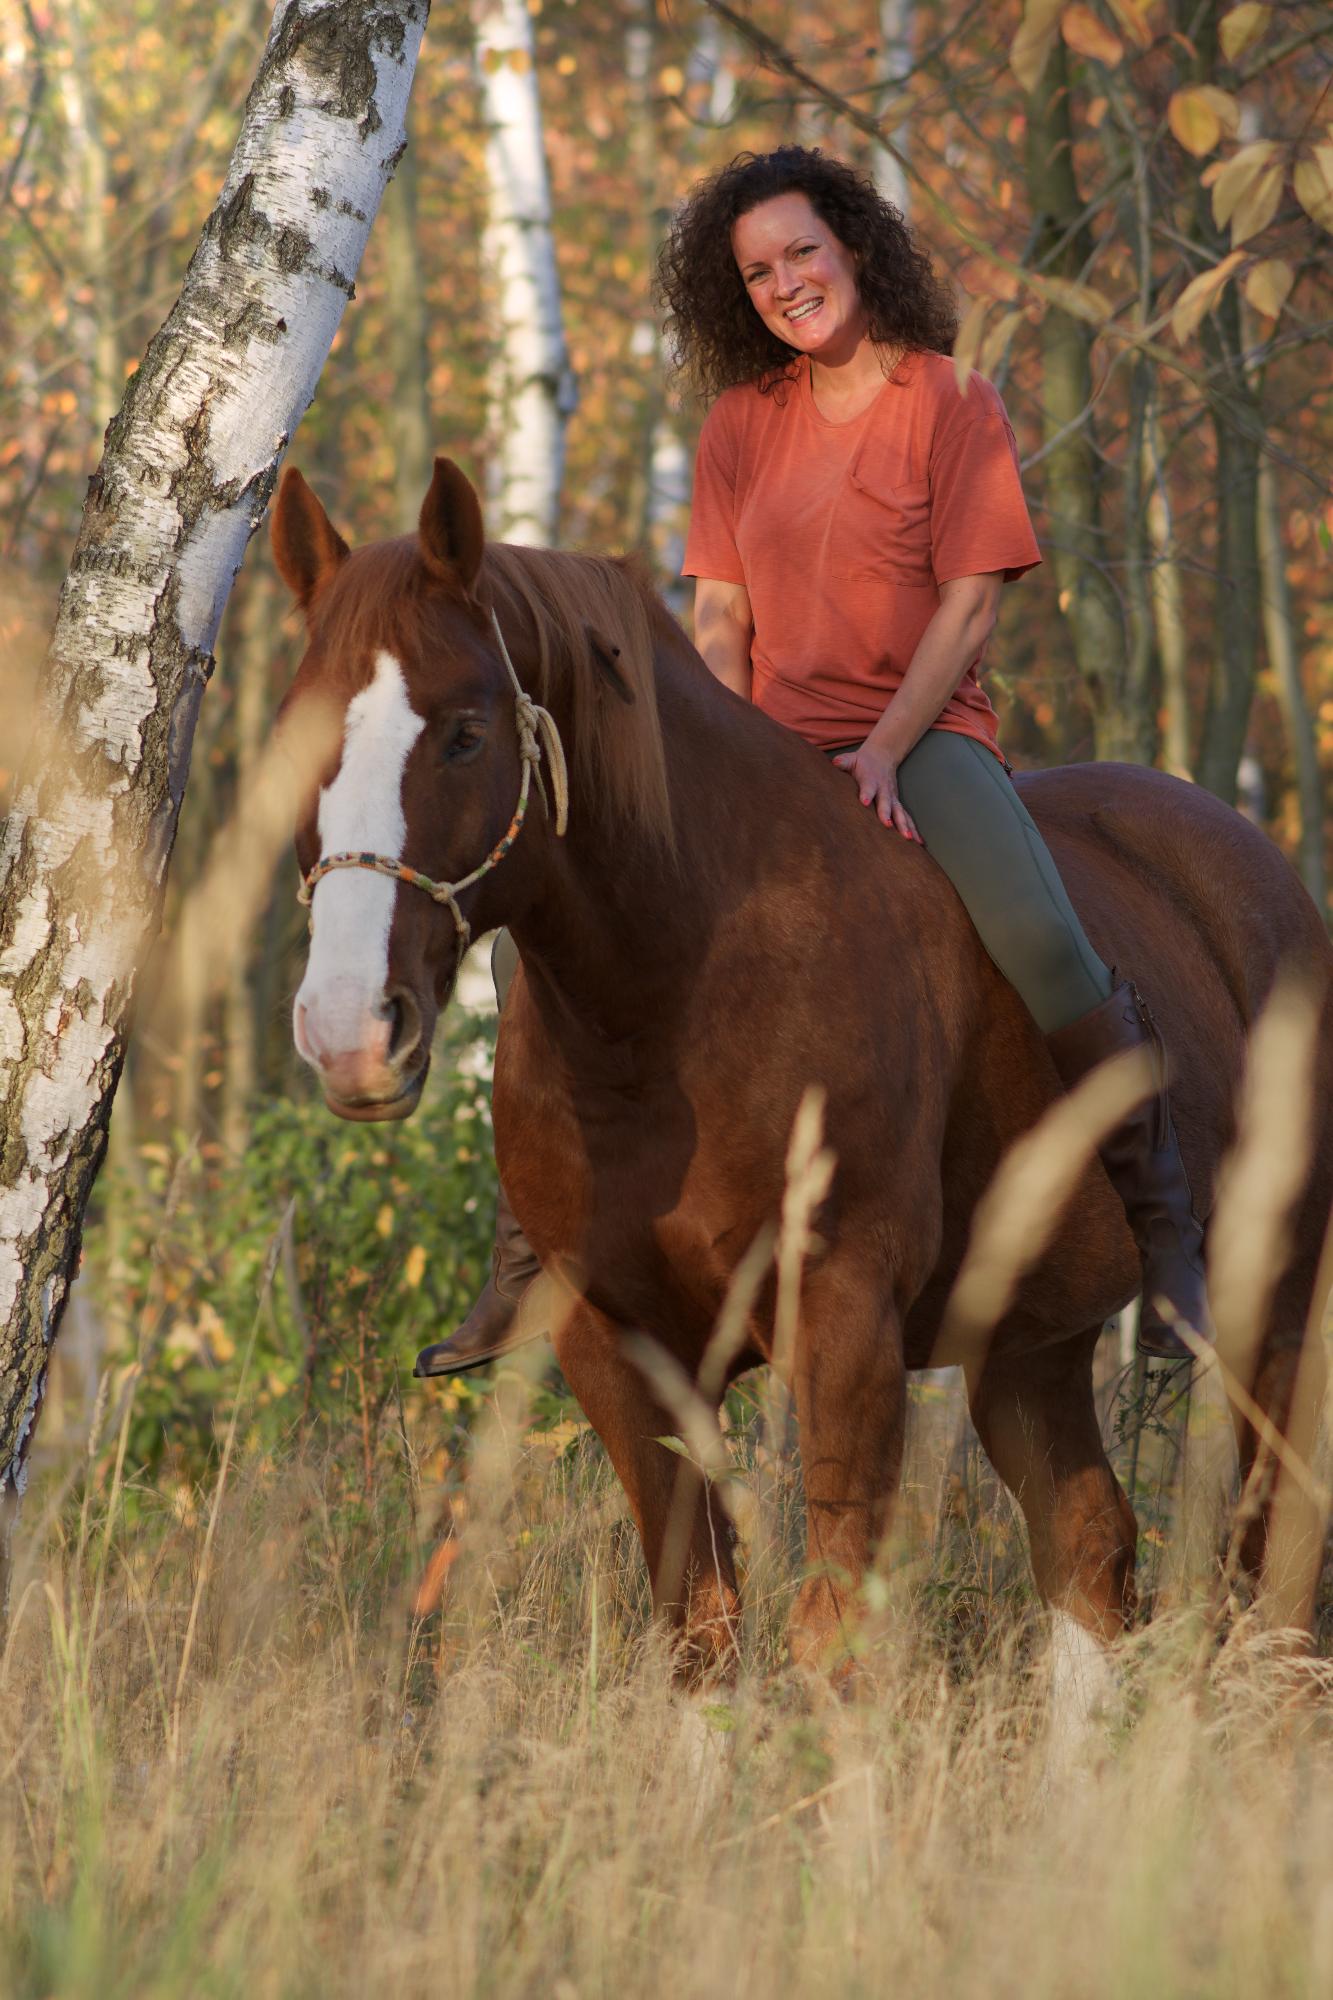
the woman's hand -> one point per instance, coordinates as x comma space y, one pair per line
876, 772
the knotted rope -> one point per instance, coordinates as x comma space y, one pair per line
536, 732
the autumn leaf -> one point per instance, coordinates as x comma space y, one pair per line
968, 342
1200, 295
1242, 28
1083, 302
1247, 191
996, 344
1199, 115
1313, 181
1132, 17
1267, 285
1034, 41
414, 1267
1087, 35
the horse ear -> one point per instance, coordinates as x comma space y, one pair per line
307, 548
451, 531
606, 658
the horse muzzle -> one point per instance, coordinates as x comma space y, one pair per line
371, 1109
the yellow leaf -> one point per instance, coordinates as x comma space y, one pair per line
491, 60
1087, 35
1200, 295
1132, 16
1079, 301
1034, 41
384, 1221
520, 61
968, 342
1095, 112
996, 344
1258, 205
1199, 115
1232, 182
671, 80
1267, 286
414, 1266
1242, 28
1194, 122
1313, 182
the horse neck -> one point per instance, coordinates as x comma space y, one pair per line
615, 927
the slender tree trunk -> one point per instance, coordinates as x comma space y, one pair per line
1071, 468
1236, 621
1283, 648
97, 318
410, 414
897, 20
1168, 603
251, 660
1234, 408
190, 462
533, 392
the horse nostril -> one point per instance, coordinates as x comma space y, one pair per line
404, 1024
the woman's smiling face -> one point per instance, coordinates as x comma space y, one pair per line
800, 276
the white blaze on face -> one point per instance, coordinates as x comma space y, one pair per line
352, 909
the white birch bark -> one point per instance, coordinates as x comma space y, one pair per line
896, 19
190, 462
533, 391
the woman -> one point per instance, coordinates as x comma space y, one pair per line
854, 521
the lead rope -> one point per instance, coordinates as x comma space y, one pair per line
536, 732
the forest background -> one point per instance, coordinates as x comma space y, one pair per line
1133, 203
320, 1680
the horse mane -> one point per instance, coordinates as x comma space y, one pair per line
559, 611
580, 606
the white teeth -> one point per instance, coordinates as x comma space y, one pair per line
804, 311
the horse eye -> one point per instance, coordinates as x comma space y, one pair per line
464, 741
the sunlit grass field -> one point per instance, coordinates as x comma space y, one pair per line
256, 1741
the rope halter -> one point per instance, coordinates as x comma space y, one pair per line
536, 731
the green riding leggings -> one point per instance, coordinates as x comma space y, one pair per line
975, 825
968, 812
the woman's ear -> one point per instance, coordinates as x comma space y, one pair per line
307, 548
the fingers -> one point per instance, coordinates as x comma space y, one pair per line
905, 824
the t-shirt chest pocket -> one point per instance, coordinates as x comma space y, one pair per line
883, 528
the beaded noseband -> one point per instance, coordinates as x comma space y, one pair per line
536, 728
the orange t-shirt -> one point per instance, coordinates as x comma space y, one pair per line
842, 533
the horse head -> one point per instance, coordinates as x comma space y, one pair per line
437, 744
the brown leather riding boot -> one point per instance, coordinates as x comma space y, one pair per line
1142, 1160
491, 1328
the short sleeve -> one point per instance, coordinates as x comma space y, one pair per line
978, 516
710, 546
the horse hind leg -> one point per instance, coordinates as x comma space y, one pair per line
1037, 1420
1281, 1519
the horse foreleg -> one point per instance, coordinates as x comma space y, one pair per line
851, 1399
1037, 1419
685, 1534
1281, 1521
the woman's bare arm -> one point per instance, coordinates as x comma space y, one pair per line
958, 632
723, 629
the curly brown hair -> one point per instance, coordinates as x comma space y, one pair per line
716, 336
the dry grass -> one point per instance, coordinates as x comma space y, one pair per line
235, 1762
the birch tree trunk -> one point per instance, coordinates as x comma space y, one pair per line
190, 462
896, 18
409, 415
533, 391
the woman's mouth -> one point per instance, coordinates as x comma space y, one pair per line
797, 315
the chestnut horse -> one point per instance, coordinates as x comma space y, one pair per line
721, 926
